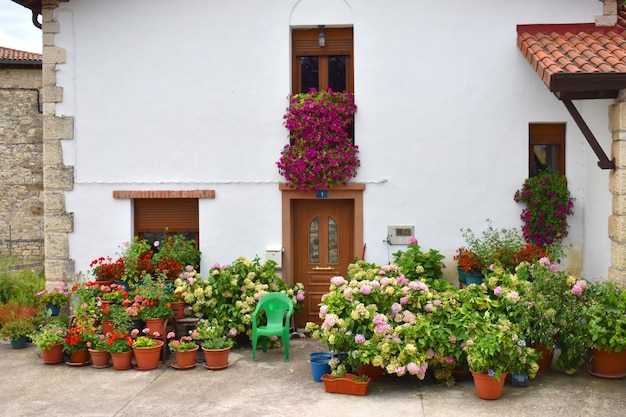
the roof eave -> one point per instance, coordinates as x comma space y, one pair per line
582, 86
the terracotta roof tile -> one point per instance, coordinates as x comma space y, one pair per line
7, 54
573, 49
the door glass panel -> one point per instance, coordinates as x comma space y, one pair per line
545, 158
314, 241
309, 73
337, 72
333, 242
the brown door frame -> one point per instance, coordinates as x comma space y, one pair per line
348, 192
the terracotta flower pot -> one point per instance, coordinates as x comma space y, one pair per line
99, 358
148, 358
156, 326
608, 364
545, 362
78, 358
488, 388
375, 372
178, 308
185, 360
122, 361
345, 385
216, 359
53, 355
107, 326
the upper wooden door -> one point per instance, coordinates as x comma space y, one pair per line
323, 234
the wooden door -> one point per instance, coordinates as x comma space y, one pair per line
323, 237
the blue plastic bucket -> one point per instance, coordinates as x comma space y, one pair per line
319, 367
320, 355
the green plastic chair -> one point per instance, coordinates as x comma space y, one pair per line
278, 309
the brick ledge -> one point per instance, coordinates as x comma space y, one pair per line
164, 194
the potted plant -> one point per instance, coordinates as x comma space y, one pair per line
557, 305
152, 304
184, 349
96, 345
378, 317
106, 270
346, 383
494, 350
119, 345
550, 312
606, 329
215, 343
194, 292
49, 339
321, 153
146, 350
53, 300
548, 203
75, 344
17, 322
468, 264
115, 317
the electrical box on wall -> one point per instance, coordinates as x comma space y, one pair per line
276, 255
399, 235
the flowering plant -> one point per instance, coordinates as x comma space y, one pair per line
58, 296
49, 334
493, 247
118, 342
76, 339
320, 154
184, 344
232, 291
138, 258
118, 314
106, 269
555, 309
606, 325
416, 263
467, 260
497, 347
97, 341
212, 335
150, 300
548, 203
176, 250
143, 341
380, 317
117, 294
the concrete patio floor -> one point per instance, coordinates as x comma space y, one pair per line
272, 387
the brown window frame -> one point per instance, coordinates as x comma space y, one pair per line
546, 134
339, 41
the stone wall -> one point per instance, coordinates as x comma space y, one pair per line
21, 162
617, 185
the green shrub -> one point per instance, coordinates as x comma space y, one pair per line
20, 286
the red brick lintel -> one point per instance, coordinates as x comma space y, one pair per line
164, 194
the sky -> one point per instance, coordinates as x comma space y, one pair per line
16, 28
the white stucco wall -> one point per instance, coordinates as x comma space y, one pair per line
191, 95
